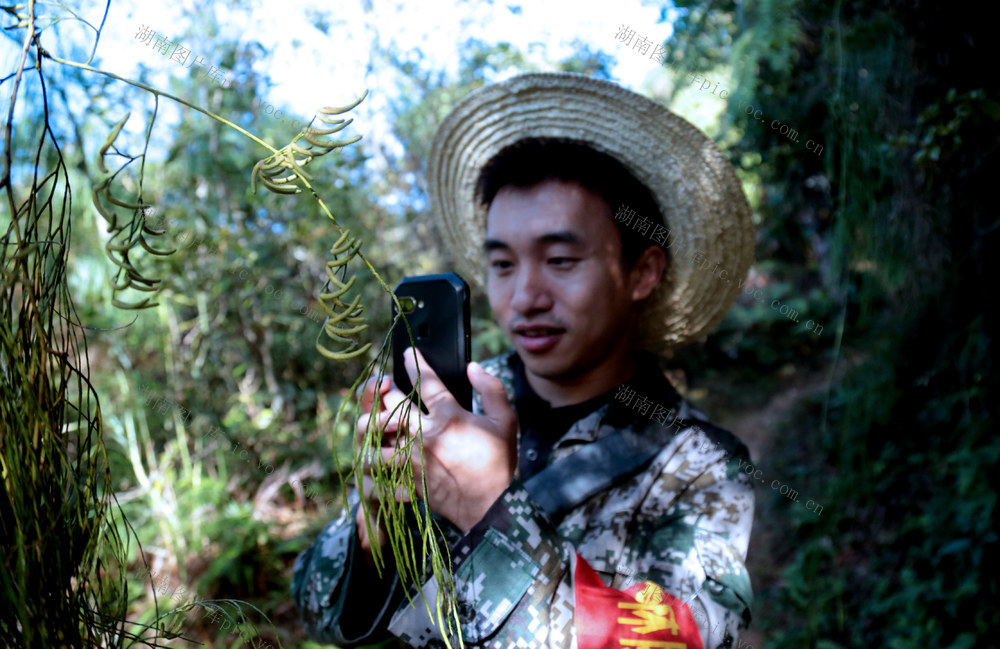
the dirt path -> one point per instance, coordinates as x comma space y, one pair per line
757, 428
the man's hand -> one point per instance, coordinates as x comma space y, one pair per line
468, 460
368, 493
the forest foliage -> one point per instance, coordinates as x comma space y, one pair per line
215, 430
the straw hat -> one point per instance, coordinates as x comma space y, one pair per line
694, 185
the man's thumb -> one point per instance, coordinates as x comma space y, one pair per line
490, 390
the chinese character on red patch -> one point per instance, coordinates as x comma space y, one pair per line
644, 615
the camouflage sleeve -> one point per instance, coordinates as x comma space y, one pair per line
693, 531
340, 598
512, 581
683, 524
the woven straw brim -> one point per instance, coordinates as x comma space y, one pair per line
694, 185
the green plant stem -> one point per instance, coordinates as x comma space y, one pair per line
7, 182
160, 93
360, 254
396, 527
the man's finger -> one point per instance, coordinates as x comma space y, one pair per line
367, 487
380, 531
373, 496
392, 399
369, 456
360, 428
432, 389
364, 422
386, 421
368, 389
393, 458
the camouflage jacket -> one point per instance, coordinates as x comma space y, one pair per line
682, 522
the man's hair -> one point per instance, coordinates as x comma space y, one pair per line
529, 162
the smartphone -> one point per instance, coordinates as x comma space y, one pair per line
437, 310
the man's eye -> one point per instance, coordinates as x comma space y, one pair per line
500, 264
561, 261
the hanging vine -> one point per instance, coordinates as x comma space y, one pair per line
64, 559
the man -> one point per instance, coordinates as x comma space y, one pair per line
579, 463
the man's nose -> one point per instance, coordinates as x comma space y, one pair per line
531, 291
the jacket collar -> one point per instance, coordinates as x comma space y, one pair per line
604, 413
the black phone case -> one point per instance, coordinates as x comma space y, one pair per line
440, 326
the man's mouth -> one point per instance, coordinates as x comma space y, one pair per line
538, 339
538, 333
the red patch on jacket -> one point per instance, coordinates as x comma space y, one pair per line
643, 615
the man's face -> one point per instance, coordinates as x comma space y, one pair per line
556, 282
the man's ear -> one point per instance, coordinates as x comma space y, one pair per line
646, 273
